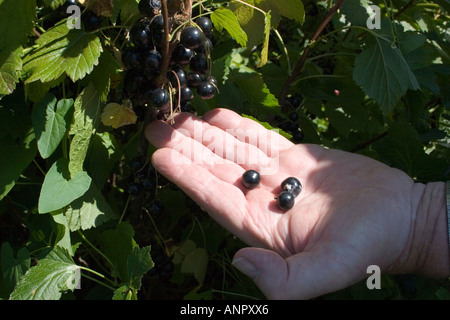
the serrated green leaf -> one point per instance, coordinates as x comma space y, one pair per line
16, 22
50, 124
10, 67
87, 113
101, 75
291, 9
223, 18
52, 276
139, 262
265, 49
13, 268
90, 210
62, 50
59, 189
118, 244
383, 73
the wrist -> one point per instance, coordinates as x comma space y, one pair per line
430, 250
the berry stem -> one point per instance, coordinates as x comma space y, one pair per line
166, 47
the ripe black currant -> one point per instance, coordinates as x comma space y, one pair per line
149, 8
131, 58
177, 77
134, 81
194, 79
156, 207
251, 179
293, 116
292, 185
298, 136
205, 47
152, 62
199, 63
285, 200
160, 99
191, 37
140, 35
182, 55
134, 189
91, 21
186, 94
148, 185
206, 25
206, 90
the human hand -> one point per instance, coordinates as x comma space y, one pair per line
352, 212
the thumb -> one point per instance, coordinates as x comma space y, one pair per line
304, 275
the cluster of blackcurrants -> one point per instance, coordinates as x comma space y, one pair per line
291, 124
189, 62
163, 265
290, 188
145, 182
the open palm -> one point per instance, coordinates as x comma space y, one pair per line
352, 212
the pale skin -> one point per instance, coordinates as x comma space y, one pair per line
353, 211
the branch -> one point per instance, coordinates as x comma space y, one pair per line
298, 67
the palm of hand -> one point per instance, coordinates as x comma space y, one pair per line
340, 221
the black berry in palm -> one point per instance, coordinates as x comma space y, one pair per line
152, 62
206, 90
199, 63
191, 37
251, 179
91, 21
285, 200
160, 99
206, 25
292, 185
149, 8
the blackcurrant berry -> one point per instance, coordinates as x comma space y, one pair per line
131, 58
199, 63
134, 81
177, 77
156, 207
186, 94
251, 179
91, 21
285, 200
206, 90
212, 80
152, 62
194, 79
191, 37
148, 185
206, 25
182, 55
293, 116
67, 4
292, 185
160, 99
134, 189
205, 47
298, 136
140, 35
149, 8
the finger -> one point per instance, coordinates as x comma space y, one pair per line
225, 202
219, 142
305, 275
161, 135
245, 129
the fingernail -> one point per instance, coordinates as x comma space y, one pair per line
246, 267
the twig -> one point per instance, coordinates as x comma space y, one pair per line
405, 7
298, 67
166, 55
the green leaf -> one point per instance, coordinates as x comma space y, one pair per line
118, 245
383, 73
291, 9
101, 75
52, 276
62, 50
86, 116
125, 292
10, 67
90, 210
193, 260
13, 268
50, 125
138, 263
265, 49
16, 21
223, 18
59, 190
